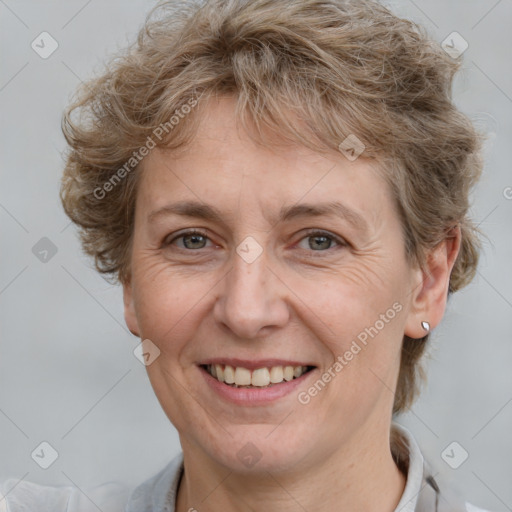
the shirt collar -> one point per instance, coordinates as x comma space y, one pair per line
420, 493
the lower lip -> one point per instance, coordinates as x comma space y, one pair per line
253, 396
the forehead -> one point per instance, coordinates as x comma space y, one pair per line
224, 166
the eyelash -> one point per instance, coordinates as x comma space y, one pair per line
309, 234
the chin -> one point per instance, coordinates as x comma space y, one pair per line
260, 448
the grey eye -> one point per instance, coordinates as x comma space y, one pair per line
319, 242
189, 240
193, 241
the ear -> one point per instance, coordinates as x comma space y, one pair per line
129, 309
430, 294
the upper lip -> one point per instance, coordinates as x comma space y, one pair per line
252, 364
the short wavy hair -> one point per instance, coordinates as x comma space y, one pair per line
314, 71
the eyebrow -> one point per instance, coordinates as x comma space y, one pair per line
304, 210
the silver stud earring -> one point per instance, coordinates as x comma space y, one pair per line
425, 325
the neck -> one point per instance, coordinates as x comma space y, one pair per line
347, 479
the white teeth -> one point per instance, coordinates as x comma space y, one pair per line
276, 374
219, 372
288, 372
261, 377
242, 376
229, 375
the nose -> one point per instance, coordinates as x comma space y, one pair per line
252, 299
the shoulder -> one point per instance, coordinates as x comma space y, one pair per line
451, 501
156, 494
24, 496
472, 508
159, 492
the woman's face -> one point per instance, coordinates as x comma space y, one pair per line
277, 276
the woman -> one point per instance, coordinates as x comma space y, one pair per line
281, 188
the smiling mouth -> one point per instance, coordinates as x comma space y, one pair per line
240, 377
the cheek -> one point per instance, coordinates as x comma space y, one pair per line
349, 299
362, 334
358, 315
167, 301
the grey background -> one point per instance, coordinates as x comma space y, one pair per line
67, 372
